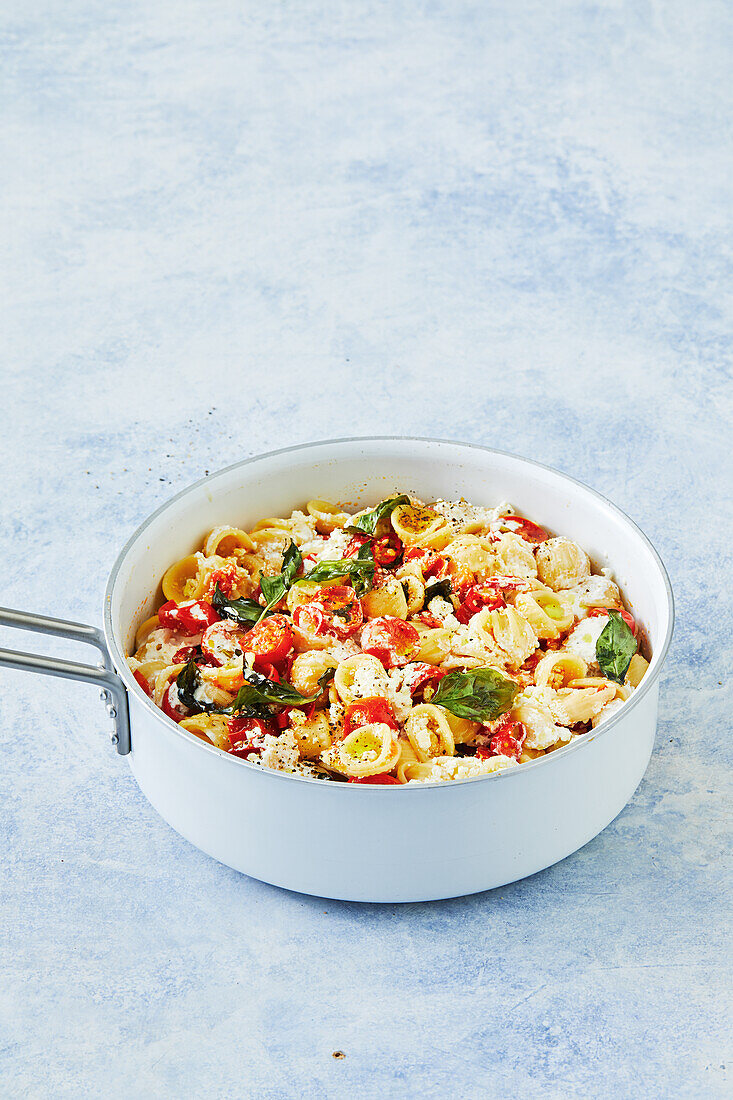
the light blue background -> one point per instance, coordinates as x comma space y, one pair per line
232, 226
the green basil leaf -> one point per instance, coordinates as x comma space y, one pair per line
437, 588
370, 521
481, 694
244, 612
359, 570
292, 561
258, 691
187, 681
615, 647
274, 588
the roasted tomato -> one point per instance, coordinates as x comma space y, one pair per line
417, 676
393, 641
431, 564
382, 780
189, 617
174, 710
192, 653
387, 550
270, 641
476, 598
227, 579
335, 610
246, 736
505, 738
223, 642
143, 682
625, 615
532, 532
366, 711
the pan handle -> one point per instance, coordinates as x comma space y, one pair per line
112, 690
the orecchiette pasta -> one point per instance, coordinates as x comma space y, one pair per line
406, 643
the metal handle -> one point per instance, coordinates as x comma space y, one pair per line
112, 690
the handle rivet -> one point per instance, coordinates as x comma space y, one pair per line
114, 738
104, 695
112, 711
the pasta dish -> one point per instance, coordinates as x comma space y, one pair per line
405, 643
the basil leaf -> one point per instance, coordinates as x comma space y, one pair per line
292, 561
615, 647
359, 570
258, 691
187, 681
370, 521
437, 588
274, 588
481, 694
244, 612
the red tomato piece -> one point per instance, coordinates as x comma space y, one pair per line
366, 711
222, 642
532, 532
431, 564
226, 578
174, 710
246, 736
505, 738
387, 550
192, 652
393, 641
189, 617
143, 682
382, 779
477, 597
420, 674
335, 610
271, 640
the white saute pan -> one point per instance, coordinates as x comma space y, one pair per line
364, 842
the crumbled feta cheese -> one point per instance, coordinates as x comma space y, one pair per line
334, 547
280, 753
582, 640
443, 610
463, 517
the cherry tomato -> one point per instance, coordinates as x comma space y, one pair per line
383, 779
223, 642
366, 711
174, 710
418, 675
246, 736
391, 640
192, 653
143, 682
477, 597
387, 550
428, 619
226, 578
506, 737
271, 640
189, 617
625, 615
431, 564
532, 532
335, 610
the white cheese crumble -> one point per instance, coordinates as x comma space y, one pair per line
280, 753
582, 640
443, 610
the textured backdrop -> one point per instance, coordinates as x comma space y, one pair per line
231, 226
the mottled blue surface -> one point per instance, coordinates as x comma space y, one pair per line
229, 226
